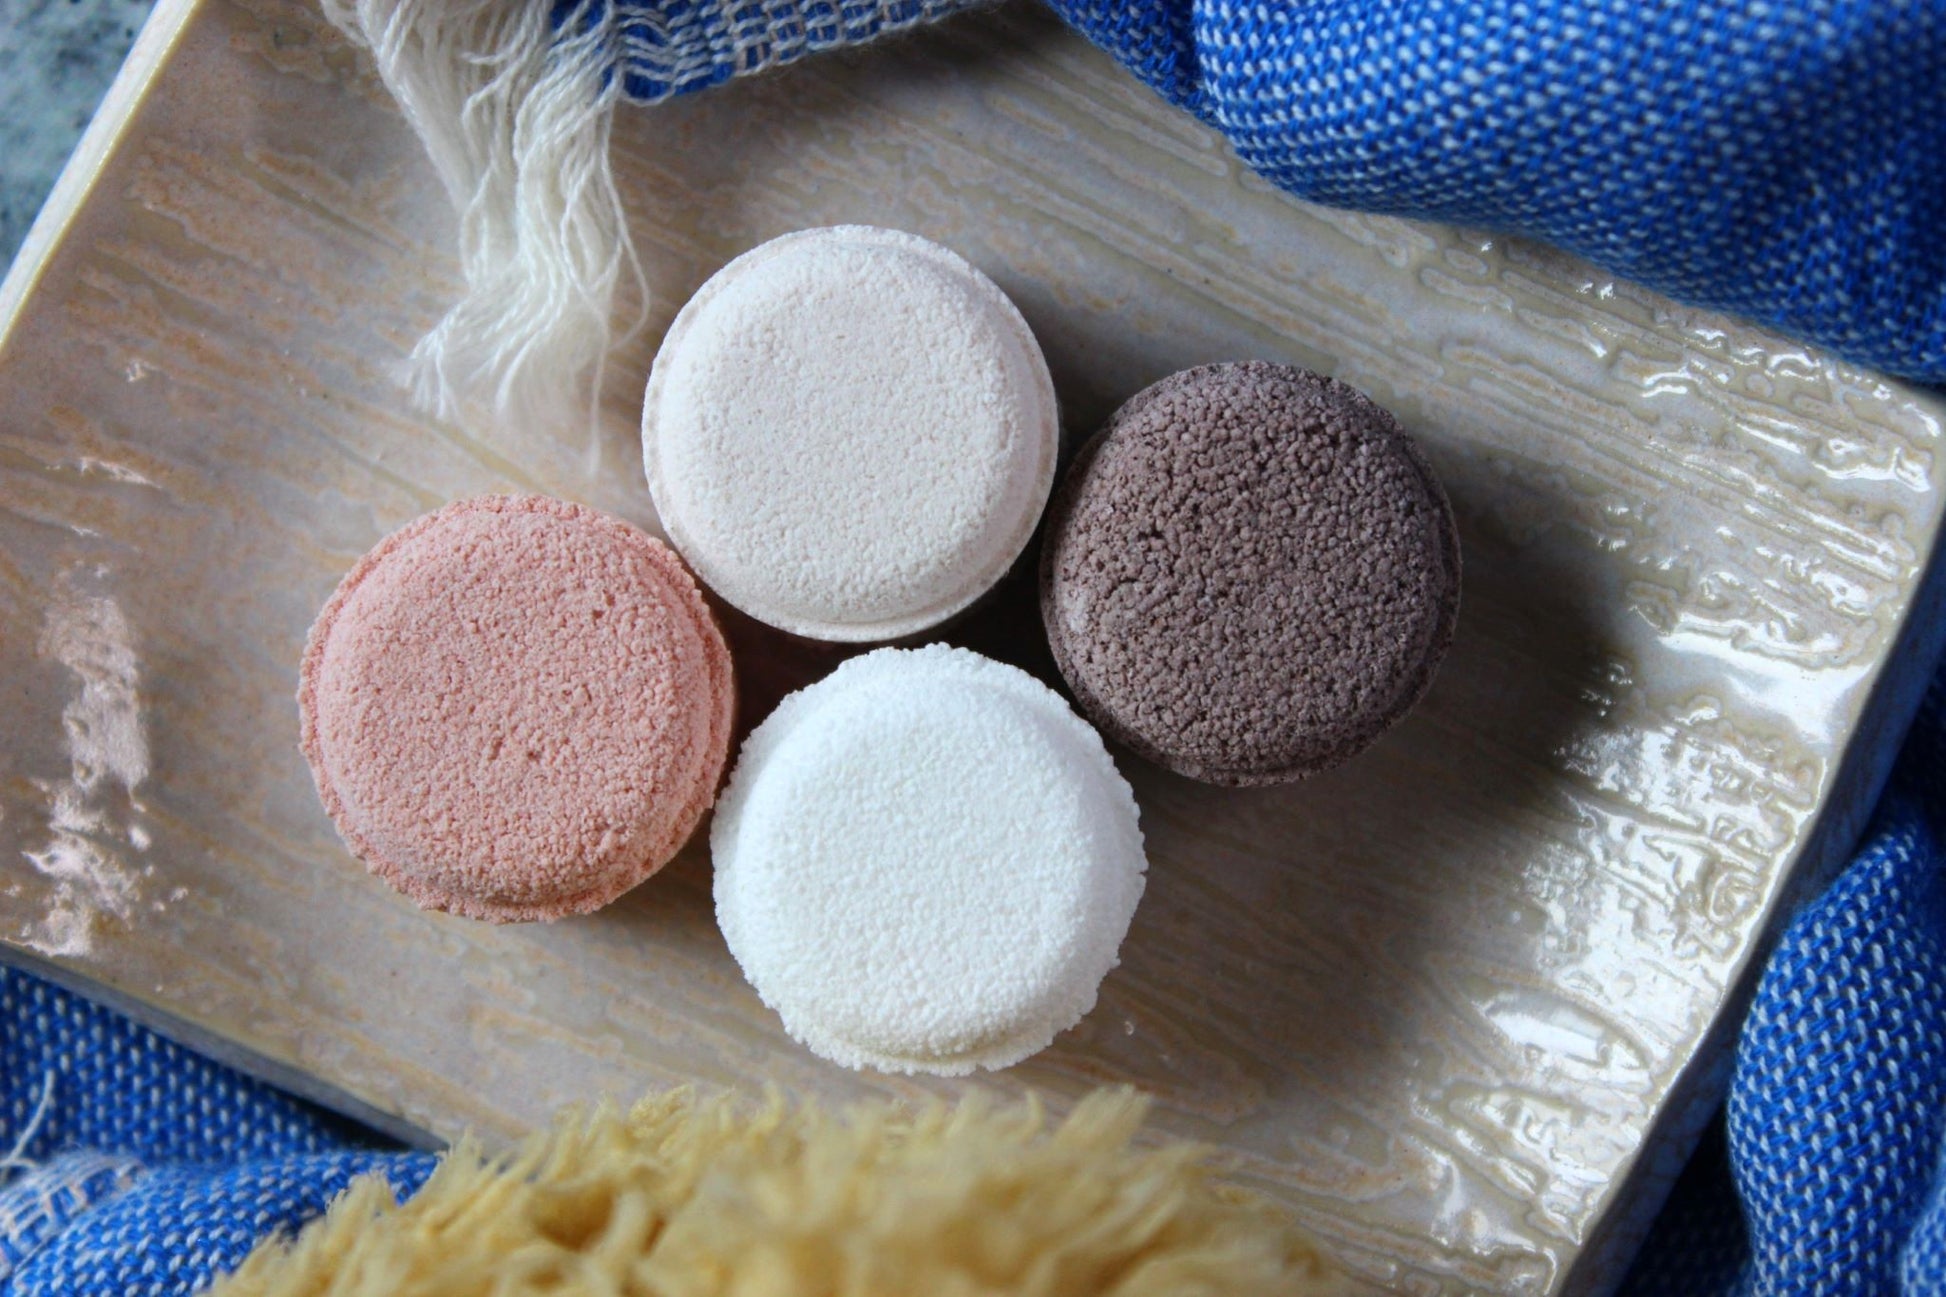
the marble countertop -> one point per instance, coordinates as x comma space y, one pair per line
56, 60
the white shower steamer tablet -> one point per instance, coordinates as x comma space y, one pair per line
849, 433
926, 862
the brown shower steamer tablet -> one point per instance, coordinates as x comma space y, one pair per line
516, 708
1249, 574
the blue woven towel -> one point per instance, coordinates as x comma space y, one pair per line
1783, 160
140, 1169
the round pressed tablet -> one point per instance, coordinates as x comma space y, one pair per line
926, 862
516, 708
849, 433
1249, 574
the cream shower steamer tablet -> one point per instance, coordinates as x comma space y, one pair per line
849, 433
926, 862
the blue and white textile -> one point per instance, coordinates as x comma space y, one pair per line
141, 1169
1784, 160
1839, 1099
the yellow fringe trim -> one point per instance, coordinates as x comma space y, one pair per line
687, 1197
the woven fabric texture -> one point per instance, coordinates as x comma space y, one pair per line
179, 1227
1838, 1103
1783, 161
44, 1200
74, 1075
671, 46
135, 1166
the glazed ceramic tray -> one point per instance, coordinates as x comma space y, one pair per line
1461, 1003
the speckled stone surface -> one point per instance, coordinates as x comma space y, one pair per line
56, 59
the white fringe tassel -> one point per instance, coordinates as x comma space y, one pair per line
516, 116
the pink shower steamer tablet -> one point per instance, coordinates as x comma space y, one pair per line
516, 708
